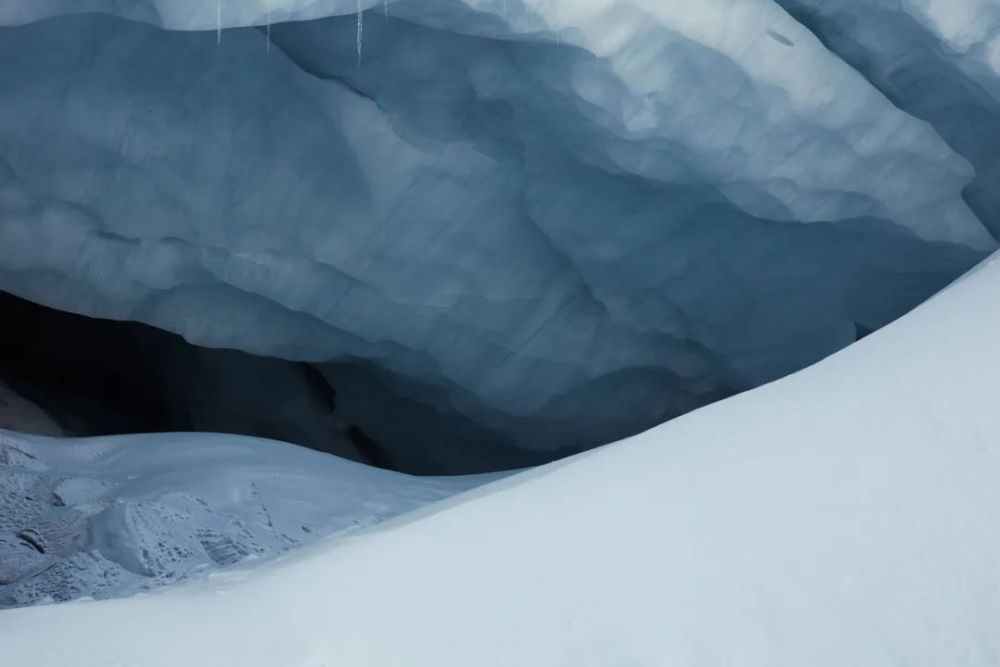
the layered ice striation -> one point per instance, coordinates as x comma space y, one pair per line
939, 61
553, 223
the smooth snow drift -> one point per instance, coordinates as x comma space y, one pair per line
846, 515
561, 221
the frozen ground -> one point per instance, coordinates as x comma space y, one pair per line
846, 515
107, 517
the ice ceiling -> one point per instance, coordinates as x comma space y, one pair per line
552, 222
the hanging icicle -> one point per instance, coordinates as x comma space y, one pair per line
218, 21
267, 48
361, 28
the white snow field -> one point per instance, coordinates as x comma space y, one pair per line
845, 515
108, 517
591, 215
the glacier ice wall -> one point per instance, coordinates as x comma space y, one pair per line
939, 61
559, 221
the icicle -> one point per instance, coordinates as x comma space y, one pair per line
385, 4
361, 28
268, 35
218, 21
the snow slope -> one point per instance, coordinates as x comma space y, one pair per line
846, 515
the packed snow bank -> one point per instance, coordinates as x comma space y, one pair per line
845, 515
106, 517
563, 223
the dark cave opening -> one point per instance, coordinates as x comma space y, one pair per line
105, 377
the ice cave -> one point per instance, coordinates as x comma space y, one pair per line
610, 333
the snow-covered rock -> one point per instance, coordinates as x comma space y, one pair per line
845, 515
561, 221
108, 517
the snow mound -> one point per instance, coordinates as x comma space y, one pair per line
845, 515
591, 216
107, 517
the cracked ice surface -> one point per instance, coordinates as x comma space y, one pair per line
571, 219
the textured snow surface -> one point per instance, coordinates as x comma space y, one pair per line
563, 220
845, 515
106, 517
